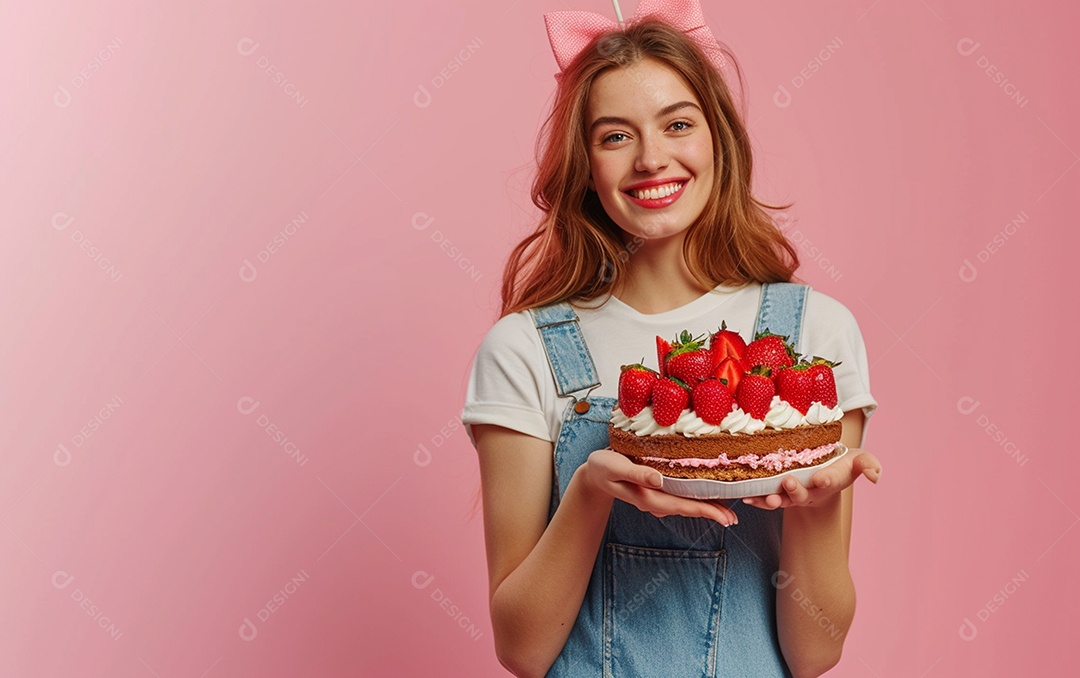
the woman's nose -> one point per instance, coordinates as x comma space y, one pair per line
652, 155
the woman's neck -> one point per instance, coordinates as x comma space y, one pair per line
658, 278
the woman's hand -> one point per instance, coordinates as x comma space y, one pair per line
824, 483
612, 473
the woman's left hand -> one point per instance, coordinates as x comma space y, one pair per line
825, 483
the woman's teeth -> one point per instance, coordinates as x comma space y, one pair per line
657, 192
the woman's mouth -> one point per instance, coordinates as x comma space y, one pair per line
656, 196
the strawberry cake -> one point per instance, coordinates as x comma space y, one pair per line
729, 411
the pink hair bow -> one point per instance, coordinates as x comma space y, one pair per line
571, 32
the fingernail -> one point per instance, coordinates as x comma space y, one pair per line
656, 481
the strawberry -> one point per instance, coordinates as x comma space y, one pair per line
662, 349
822, 382
635, 387
691, 367
755, 392
712, 400
688, 359
670, 397
793, 385
726, 344
770, 349
730, 370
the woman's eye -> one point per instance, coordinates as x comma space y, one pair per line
683, 125
611, 138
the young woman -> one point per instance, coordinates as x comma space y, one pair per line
649, 227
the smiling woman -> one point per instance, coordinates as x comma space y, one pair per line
649, 225
627, 153
643, 109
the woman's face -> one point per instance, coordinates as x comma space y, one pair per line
650, 150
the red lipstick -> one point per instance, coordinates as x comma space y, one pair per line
656, 203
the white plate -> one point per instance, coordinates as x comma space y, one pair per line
700, 488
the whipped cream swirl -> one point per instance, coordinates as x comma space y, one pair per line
781, 415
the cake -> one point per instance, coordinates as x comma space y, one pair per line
727, 411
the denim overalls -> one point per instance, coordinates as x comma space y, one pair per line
671, 596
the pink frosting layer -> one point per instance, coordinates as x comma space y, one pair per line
776, 461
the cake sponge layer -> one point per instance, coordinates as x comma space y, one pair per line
653, 450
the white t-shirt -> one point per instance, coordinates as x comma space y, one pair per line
511, 383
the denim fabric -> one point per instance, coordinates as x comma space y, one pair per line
569, 357
781, 310
668, 596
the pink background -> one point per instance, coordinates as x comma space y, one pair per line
196, 419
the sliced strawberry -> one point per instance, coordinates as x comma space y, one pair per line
771, 350
662, 349
712, 400
755, 392
730, 370
635, 388
726, 344
793, 385
670, 397
823, 382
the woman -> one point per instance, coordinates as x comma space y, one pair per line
649, 226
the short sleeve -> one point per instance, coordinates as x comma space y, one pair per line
832, 332
505, 384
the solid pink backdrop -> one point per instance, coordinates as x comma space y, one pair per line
248, 252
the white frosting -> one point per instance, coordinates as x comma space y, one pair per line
642, 423
738, 421
819, 414
690, 424
781, 415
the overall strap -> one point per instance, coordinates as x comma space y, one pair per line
781, 310
567, 354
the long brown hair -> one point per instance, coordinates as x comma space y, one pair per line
577, 250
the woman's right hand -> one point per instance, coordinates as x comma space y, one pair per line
614, 474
